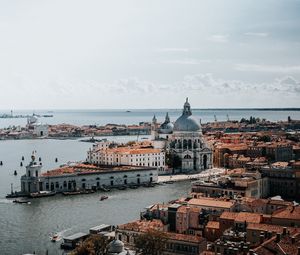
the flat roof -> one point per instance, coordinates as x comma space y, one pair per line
75, 236
100, 227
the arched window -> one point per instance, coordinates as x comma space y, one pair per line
187, 157
184, 144
97, 178
125, 176
112, 177
190, 144
83, 180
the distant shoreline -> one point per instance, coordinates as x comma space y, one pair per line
160, 109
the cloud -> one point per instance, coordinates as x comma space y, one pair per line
205, 83
256, 34
185, 61
173, 50
218, 38
267, 68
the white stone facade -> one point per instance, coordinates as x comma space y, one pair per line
184, 140
127, 156
35, 181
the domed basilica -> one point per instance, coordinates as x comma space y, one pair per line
183, 140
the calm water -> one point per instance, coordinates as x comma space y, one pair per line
101, 117
26, 228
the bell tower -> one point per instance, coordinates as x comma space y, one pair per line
154, 131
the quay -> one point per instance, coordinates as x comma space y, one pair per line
195, 176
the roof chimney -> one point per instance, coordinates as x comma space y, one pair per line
284, 231
277, 237
293, 239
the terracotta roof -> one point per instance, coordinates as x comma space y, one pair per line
291, 212
185, 209
213, 224
248, 217
142, 225
214, 203
270, 228
242, 217
228, 215
81, 169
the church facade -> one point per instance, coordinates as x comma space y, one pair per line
184, 141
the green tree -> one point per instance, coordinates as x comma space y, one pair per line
173, 160
94, 245
151, 243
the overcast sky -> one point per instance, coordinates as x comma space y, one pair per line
77, 54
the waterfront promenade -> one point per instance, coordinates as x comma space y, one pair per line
184, 177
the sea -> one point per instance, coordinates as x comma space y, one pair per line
135, 116
26, 228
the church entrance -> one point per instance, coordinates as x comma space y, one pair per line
205, 161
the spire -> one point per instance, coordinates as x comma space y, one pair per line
167, 119
187, 108
154, 120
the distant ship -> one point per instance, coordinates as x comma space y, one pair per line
47, 115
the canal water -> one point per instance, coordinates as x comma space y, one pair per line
26, 228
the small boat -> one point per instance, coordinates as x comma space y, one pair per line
133, 186
103, 188
71, 193
55, 238
21, 201
122, 187
42, 194
103, 198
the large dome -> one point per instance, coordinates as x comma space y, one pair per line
186, 122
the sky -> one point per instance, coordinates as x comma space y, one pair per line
128, 54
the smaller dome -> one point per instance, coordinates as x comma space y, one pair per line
116, 246
166, 128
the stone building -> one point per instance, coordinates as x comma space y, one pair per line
184, 140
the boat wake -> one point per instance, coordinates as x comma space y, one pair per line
5, 201
55, 237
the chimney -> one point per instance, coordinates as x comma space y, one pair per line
261, 238
269, 234
293, 239
277, 237
284, 231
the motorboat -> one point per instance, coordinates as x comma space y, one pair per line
21, 201
103, 198
55, 238
42, 194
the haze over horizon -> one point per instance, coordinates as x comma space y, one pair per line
75, 54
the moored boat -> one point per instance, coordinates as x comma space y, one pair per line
42, 194
21, 201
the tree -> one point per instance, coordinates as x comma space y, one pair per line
173, 160
94, 245
151, 243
